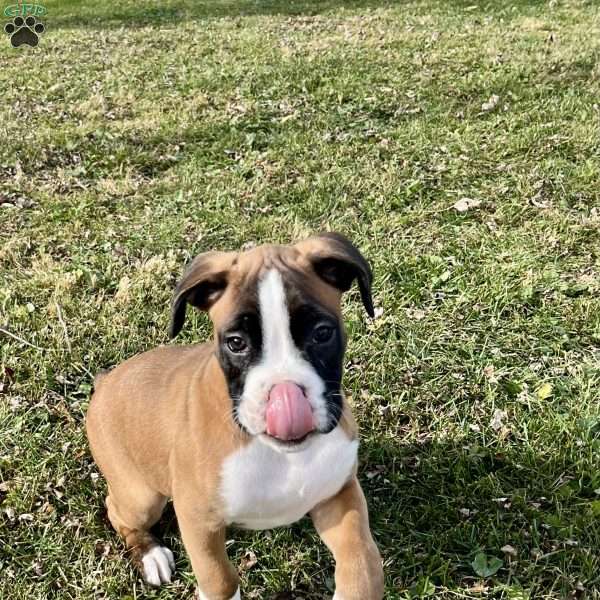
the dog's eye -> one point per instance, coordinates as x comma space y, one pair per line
236, 344
322, 334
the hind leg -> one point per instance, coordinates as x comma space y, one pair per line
133, 510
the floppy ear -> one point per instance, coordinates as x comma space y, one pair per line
338, 262
202, 284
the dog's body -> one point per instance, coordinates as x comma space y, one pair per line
250, 429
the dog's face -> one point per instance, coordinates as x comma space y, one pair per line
279, 335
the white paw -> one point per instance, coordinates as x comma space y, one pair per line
201, 596
158, 565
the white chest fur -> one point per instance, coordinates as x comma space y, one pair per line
263, 487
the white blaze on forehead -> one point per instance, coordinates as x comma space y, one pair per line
280, 361
275, 318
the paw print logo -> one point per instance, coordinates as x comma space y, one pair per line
24, 31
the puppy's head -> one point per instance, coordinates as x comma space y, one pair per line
279, 336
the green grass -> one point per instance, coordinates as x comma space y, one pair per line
137, 135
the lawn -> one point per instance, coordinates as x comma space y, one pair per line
457, 143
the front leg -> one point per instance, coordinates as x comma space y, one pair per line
205, 544
343, 524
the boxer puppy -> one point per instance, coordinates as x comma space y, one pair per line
250, 429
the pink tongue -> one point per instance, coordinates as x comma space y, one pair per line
289, 414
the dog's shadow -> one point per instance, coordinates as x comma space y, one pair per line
433, 505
